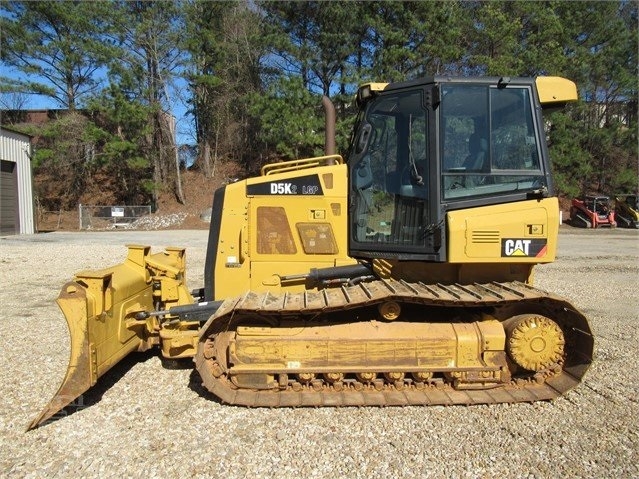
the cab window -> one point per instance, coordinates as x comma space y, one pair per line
489, 144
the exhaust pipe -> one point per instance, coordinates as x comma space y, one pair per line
329, 126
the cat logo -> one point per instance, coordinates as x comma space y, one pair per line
523, 247
517, 247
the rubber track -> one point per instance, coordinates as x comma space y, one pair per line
503, 299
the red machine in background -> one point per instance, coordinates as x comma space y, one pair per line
592, 212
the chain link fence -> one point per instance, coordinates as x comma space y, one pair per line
105, 217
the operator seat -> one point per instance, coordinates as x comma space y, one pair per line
477, 153
476, 161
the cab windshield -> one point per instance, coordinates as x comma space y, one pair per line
488, 141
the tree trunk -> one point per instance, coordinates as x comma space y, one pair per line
179, 193
206, 157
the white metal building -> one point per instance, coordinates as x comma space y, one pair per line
16, 186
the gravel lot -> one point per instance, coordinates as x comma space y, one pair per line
144, 420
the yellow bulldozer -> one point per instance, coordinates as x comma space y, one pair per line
401, 274
627, 210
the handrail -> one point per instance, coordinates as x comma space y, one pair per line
292, 165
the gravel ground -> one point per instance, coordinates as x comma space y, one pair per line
144, 420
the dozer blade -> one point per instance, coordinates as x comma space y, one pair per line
100, 309
81, 371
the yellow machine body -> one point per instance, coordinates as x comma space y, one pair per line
265, 237
627, 211
321, 290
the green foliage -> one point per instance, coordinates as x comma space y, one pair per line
65, 157
224, 45
61, 44
411, 39
121, 127
289, 120
42, 156
148, 186
599, 43
572, 164
255, 73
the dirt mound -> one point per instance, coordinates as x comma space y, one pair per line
170, 213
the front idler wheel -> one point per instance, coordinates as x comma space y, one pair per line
534, 342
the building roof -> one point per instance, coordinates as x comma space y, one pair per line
12, 130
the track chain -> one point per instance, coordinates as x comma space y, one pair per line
503, 300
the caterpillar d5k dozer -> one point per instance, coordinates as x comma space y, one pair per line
400, 276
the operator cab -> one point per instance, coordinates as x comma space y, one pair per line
428, 146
